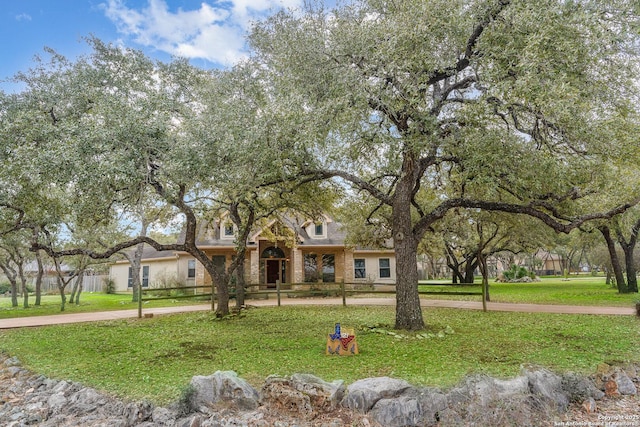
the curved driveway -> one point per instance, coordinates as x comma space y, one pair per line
58, 319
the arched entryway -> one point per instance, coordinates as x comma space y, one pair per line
275, 266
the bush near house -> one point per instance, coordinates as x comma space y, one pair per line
5, 287
516, 273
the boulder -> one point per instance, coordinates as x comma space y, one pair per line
280, 394
548, 386
578, 388
223, 386
624, 383
413, 408
484, 389
362, 395
324, 395
163, 417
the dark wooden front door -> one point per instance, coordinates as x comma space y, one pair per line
273, 271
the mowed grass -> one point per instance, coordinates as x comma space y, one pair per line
154, 359
50, 304
577, 290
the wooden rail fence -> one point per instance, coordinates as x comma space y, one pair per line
302, 290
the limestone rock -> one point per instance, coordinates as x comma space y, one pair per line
363, 394
413, 408
624, 383
579, 388
163, 417
547, 385
279, 393
223, 386
485, 389
324, 395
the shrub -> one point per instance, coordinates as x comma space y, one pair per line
166, 280
184, 405
516, 273
5, 287
109, 286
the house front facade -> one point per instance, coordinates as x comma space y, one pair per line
280, 251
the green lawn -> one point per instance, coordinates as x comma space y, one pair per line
50, 304
155, 358
577, 290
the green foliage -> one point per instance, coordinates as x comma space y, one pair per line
184, 404
517, 272
109, 286
5, 287
167, 284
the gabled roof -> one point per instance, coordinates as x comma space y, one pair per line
208, 234
149, 253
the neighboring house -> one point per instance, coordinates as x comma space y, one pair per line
291, 252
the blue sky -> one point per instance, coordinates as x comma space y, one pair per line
209, 33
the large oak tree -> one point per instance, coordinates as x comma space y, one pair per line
429, 106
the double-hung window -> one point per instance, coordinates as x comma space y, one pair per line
385, 267
359, 268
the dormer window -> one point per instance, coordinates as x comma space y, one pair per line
228, 230
316, 229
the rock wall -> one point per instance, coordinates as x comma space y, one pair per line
536, 397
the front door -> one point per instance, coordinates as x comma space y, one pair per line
273, 271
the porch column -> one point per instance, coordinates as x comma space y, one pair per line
255, 268
348, 267
297, 263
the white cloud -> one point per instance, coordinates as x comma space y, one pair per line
212, 32
23, 17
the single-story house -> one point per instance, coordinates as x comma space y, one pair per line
285, 251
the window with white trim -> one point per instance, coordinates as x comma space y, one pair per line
359, 268
385, 267
145, 276
191, 269
227, 230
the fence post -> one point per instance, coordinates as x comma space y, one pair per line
213, 297
278, 291
344, 293
139, 290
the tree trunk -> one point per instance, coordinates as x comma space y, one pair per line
454, 265
408, 311
74, 289
23, 284
39, 277
240, 283
629, 248
136, 262
630, 267
11, 276
222, 291
63, 297
482, 262
469, 269
14, 291
25, 293
615, 262
78, 287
